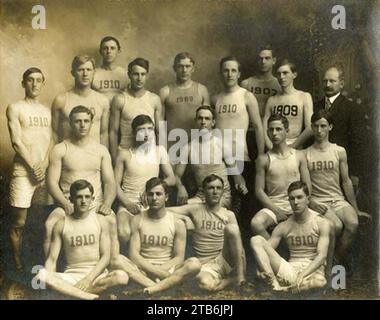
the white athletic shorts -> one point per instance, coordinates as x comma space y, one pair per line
288, 271
74, 275
218, 267
23, 193
335, 205
282, 205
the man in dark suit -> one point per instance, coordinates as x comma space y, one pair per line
348, 120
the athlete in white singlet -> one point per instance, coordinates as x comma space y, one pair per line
128, 105
275, 170
181, 99
82, 69
295, 105
29, 124
307, 237
206, 156
80, 157
157, 245
327, 163
216, 238
134, 167
109, 79
85, 238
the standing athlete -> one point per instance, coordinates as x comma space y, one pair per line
131, 103
29, 124
294, 104
109, 78
82, 69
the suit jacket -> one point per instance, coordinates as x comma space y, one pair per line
348, 129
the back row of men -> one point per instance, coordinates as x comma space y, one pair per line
80, 121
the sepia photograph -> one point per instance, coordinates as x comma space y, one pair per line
189, 150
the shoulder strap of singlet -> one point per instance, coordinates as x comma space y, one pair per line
217, 214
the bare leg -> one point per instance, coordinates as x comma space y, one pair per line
115, 245
335, 230
189, 268
17, 225
54, 216
260, 224
113, 279
124, 226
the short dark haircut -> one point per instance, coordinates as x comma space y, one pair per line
268, 47
109, 38
80, 109
141, 62
291, 65
339, 68
210, 178
154, 182
140, 120
208, 108
183, 55
322, 114
80, 185
298, 185
228, 58
31, 70
81, 59
279, 117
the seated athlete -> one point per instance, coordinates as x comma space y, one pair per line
216, 238
307, 237
207, 155
327, 163
84, 236
134, 167
157, 245
275, 170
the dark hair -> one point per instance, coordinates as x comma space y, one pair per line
109, 38
80, 109
154, 182
291, 65
31, 70
279, 117
298, 185
208, 108
268, 47
339, 68
80, 185
81, 59
140, 120
141, 62
228, 58
210, 178
183, 55
322, 114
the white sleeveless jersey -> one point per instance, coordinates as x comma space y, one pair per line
95, 101
82, 162
110, 82
208, 235
302, 239
325, 172
290, 106
81, 241
232, 118
36, 134
133, 107
140, 168
280, 174
207, 158
157, 238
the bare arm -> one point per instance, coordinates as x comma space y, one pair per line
203, 91
267, 114
166, 168
120, 168
55, 246
254, 115
277, 235
182, 195
346, 181
178, 255
116, 108
158, 114
304, 171
56, 110
108, 181
104, 122
164, 93
307, 113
